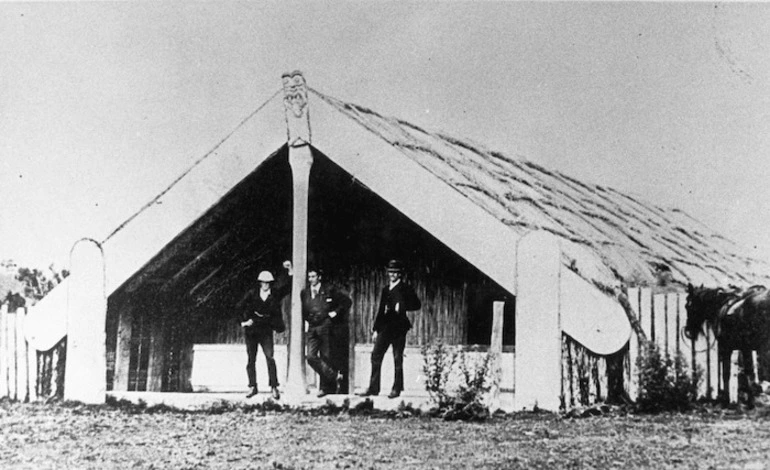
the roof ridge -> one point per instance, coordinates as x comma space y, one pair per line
189, 169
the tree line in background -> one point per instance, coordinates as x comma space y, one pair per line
31, 283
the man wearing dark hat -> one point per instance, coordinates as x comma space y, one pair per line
390, 327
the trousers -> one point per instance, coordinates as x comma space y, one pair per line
319, 355
397, 341
264, 338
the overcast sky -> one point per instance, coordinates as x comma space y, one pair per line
102, 105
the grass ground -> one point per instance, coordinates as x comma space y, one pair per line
40, 436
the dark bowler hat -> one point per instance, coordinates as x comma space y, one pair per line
395, 265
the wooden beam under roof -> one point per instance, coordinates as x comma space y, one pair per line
203, 281
185, 241
241, 265
187, 269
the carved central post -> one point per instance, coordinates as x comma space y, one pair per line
300, 160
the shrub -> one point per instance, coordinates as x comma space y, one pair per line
472, 381
475, 381
437, 365
665, 383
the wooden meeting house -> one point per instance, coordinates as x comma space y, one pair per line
327, 183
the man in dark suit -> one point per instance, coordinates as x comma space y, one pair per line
390, 327
324, 308
260, 312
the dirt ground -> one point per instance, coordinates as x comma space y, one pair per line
41, 436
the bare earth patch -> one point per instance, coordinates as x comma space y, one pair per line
38, 436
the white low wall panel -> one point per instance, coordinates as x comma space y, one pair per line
222, 367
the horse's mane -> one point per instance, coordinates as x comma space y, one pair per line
715, 297
712, 300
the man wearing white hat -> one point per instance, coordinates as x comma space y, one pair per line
261, 312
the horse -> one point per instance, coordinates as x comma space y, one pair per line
740, 320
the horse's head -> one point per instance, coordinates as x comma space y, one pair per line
703, 305
696, 311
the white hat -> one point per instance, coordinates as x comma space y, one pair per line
265, 276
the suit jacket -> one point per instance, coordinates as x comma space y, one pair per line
263, 312
329, 299
394, 303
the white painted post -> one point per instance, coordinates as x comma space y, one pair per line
659, 320
32, 374
633, 346
85, 373
4, 391
734, 373
300, 160
538, 327
672, 326
645, 311
12, 350
496, 350
22, 377
685, 346
700, 359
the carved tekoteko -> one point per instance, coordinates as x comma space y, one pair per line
296, 107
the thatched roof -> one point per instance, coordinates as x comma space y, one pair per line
609, 237
192, 239
477, 202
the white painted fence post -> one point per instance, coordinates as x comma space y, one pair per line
11, 361
22, 377
85, 372
538, 329
672, 324
32, 375
4, 352
685, 346
659, 321
633, 346
735, 369
700, 359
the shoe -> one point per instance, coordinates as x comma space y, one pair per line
276, 394
252, 392
322, 394
368, 393
394, 394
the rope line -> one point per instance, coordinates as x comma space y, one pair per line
188, 170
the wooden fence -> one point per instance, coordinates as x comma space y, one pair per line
25, 373
586, 377
662, 317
